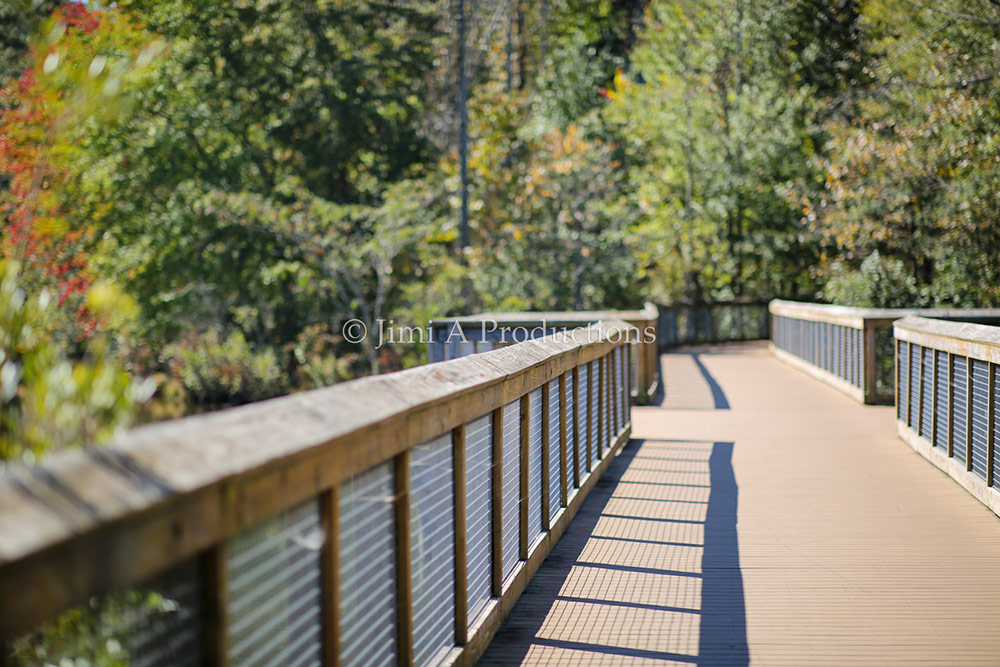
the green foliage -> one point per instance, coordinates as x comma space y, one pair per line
879, 283
47, 400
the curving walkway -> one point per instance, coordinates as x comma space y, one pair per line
762, 517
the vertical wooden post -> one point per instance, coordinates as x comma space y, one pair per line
563, 480
871, 367
546, 456
576, 427
968, 413
329, 502
524, 479
461, 541
951, 404
404, 574
990, 430
496, 503
215, 587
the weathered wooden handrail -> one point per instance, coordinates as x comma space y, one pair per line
393, 518
849, 348
946, 389
455, 337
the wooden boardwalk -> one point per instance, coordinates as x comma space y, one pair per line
761, 517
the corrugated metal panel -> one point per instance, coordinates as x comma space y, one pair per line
555, 454
432, 549
960, 389
835, 352
511, 484
157, 624
478, 511
941, 392
166, 626
534, 464
274, 605
996, 427
595, 412
368, 568
916, 353
634, 363
571, 408
621, 383
980, 415
584, 405
927, 392
903, 362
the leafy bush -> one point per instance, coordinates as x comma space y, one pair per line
48, 400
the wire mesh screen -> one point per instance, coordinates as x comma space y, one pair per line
478, 511
595, 408
157, 624
980, 415
622, 394
571, 408
511, 484
960, 389
903, 362
585, 436
607, 407
634, 365
926, 391
273, 603
534, 464
432, 549
835, 351
555, 452
367, 555
915, 366
616, 395
941, 424
996, 425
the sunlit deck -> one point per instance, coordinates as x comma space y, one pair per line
760, 515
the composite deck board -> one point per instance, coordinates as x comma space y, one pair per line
841, 546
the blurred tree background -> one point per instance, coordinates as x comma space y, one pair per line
202, 193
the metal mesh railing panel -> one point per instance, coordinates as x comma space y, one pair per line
584, 420
595, 408
367, 557
941, 424
432, 549
534, 464
959, 412
478, 512
555, 454
926, 392
980, 416
157, 624
511, 484
916, 365
571, 409
903, 361
273, 604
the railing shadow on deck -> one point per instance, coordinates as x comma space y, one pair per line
722, 638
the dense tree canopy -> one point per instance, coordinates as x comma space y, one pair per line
245, 176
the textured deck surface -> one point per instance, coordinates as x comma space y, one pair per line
762, 517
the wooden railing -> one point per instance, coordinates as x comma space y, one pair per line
946, 389
684, 323
849, 348
393, 519
456, 337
